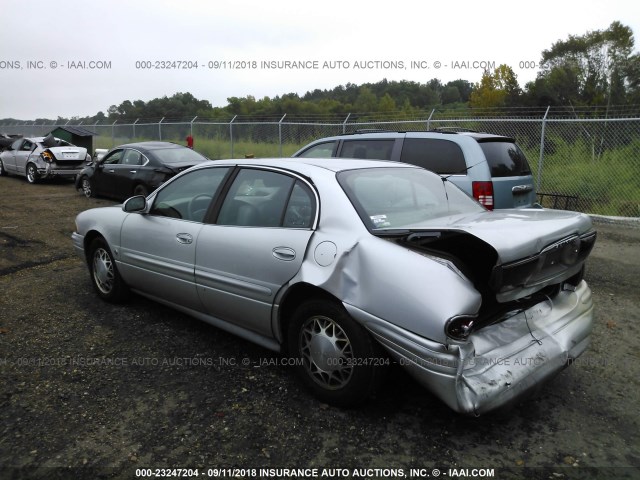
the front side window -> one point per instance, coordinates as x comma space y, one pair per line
322, 150
263, 198
114, 158
402, 197
188, 197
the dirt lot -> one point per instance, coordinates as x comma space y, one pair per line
89, 389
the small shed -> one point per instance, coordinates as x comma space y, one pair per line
76, 135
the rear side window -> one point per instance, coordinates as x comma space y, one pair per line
439, 156
367, 149
505, 159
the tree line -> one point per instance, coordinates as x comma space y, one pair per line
598, 68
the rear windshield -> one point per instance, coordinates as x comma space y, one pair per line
402, 197
178, 155
505, 159
439, 156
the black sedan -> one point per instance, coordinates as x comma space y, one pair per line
135, 169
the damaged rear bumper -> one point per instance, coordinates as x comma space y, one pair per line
498, 364
47, 170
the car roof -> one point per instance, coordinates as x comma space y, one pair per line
153, 145
308, 165
478, 136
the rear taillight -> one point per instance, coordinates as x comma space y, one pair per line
483, 193
459, 328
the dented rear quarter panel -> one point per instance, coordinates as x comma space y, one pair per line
382, 278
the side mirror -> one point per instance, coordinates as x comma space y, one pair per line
135, 204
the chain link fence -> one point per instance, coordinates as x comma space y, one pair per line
590, 165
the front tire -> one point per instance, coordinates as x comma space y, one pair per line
338, 360
104, 273
3, 172
32, 173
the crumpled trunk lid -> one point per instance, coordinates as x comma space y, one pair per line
517, 233
529, 249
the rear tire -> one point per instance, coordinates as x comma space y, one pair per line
104, 273
86, 187
337, 358
31, 173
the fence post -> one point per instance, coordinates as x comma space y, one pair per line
191, 125
344, 124
134, 129
541, 160
280, 133
231, 133
113, 133
160, 128
429, 119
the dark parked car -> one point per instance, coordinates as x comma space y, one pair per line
135, 169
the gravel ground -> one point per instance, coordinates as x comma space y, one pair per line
91, 390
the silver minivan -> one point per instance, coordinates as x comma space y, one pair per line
490, 168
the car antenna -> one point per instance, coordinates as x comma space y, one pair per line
464, 170
446, 177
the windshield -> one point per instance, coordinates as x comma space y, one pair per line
178, 155
402, 197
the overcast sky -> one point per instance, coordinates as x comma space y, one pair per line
44, 46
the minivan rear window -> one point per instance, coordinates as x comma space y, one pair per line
505, 159
439, 156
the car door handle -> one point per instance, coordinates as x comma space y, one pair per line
184, 238
522, 189
284, 253
132, 171
111, 171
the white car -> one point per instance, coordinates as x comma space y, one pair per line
38, 158
349, 266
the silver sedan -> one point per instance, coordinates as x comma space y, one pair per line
38, 158
349, 267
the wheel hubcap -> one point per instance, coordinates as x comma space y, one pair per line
327, 352
103, 272
86, 187
31, 175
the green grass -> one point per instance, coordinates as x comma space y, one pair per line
608, 184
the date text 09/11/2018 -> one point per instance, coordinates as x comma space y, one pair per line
301, 65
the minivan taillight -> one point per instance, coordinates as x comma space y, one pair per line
483, 193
